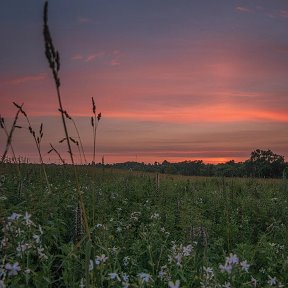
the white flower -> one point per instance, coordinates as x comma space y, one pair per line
208, 270
226, 285
187, 250
172, 285
126, 261
114, 276
100, 259
125, 277
272, 281
178, 259
13, 269
226, 268
245, 266
41, 255
27, 217
155, 216
233, 259
36, 238
162, 274
145, 277
209, 273
14, 216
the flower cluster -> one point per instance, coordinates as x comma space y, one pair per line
20, 244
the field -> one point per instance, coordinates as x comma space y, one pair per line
144, 230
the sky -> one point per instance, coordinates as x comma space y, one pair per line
174, 80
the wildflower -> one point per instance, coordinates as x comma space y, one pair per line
172, 285
14, 216
209, 273
233, 259
161, 274
187, 250
208, 270
18, 232
27, 217
226, 285
178, 259
13, 269
125, 277
100, 259
41, 255
245, 266
145, 277
27, 271
36, 238
126, 260
155, 216
226, 268
114, 276
272, 281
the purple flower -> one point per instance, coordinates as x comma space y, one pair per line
12, 269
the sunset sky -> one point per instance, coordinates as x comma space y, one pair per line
174, 80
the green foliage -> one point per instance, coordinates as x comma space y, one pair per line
143, 234
262, 164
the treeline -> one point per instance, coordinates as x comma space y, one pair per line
262, 164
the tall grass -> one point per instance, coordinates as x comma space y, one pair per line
53, 58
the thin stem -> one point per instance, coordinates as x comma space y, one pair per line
9, 138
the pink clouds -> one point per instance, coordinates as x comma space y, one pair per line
275, 13
24, 79
108, 57
244, 9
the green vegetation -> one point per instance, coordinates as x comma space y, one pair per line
262, 164
173, 232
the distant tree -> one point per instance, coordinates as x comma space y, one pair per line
265, 163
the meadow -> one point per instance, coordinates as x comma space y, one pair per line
82, 226
145, 230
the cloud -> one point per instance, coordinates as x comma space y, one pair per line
110, 57
279, 13
114, 62
24, 79
283, 13
244, 9
77, 57
85, 20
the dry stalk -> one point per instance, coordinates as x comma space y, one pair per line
37, 140
78, 135
58, 154
94, 123
53, 58
9, 135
